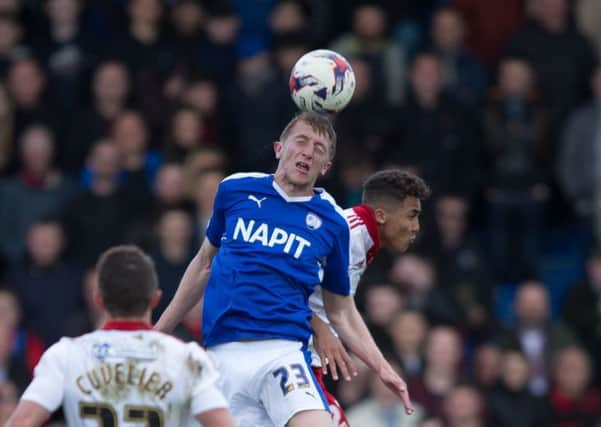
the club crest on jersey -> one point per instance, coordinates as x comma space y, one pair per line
101, 351
313, 221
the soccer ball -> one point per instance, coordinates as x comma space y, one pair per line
322, 81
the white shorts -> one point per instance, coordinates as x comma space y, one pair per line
267, 382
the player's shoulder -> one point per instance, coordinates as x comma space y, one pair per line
179, 346
335, 212
240, 178
62, 349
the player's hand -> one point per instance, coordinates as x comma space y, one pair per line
333, 355
395, 383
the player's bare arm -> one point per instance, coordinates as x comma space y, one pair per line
219, 417
191, 288
28, 414
332, 353
353, 331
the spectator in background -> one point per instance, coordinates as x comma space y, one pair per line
257, 101
382, 303
464, 77
514, 131
66, 54
366, 122
185, 134
26, 84
486, 366
203, 193
579, 171
204, 159
12, 369
170, 188
581, 311
464, 407
415, 277
443, 370
383, 408
98, 218
561, 57
11, 47
489, 25
8, 152
434, 135
369, 40
37, 191
202, 95
408, 331
91, 317
217, 53
110, 89
535, 335
587, 15
188, 20
573, 400
460, 266
510, 403
148, 55
289, 17
7, 146
48, 284
172, 253
139, 164
25, 345
169, 192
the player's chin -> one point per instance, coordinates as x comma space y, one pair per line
301, 177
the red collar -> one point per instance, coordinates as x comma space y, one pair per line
369, 219
125, 325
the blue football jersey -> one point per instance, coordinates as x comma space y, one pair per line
274, 250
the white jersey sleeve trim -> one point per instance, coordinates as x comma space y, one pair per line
240, 175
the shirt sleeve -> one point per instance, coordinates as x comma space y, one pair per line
216, 226
48, 386
336, 272
206, 394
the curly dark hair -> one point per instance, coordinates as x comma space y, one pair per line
395, 185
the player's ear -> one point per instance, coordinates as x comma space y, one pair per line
380, 215
277, 148
326, 168
98, 299
156, 297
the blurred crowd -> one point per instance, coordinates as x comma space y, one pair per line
119, 118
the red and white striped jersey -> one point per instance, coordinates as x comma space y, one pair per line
125, 375
364, 243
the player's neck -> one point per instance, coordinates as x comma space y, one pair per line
291, 189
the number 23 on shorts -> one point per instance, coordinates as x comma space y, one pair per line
292, 377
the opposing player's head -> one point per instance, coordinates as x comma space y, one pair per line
395, 197
127, 282
305, 151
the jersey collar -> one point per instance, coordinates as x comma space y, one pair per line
369, 219
285, 196
125, 325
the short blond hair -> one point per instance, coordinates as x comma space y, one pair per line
319, 123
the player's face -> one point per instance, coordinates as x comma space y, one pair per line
303, 156
399, 226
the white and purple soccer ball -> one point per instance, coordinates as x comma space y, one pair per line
322, 81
